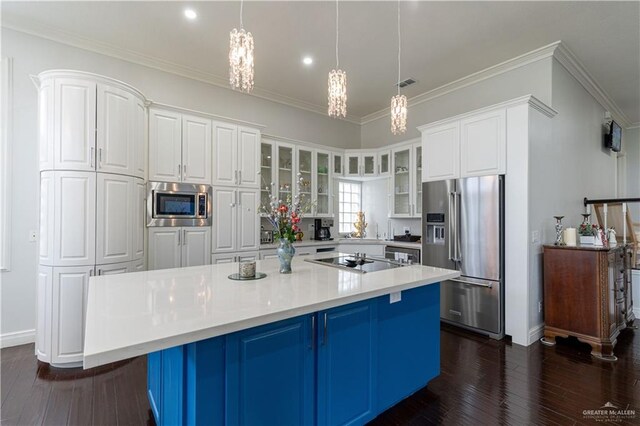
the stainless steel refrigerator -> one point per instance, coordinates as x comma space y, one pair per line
463, 229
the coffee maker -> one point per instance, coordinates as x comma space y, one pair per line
322, 231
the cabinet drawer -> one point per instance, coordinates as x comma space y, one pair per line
474, 303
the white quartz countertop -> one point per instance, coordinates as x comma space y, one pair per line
335, 242
142, 312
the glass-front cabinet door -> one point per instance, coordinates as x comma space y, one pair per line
402, 197
353, 165
369, 164
384, 163
337, 164
305, 169
267, 175
417, 179
323, 184
285, 170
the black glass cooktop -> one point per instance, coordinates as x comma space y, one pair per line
353, 264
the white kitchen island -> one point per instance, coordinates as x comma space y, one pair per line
287, 348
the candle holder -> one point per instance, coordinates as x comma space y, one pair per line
559, 241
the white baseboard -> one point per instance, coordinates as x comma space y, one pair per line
535, 333
17, 338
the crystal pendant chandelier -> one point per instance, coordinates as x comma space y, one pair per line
398, 102
241, 58
337, 83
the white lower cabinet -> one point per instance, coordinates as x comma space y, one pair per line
179, 247
113, 269
44, 304
369, 249
268, 254
138, 265
245, 256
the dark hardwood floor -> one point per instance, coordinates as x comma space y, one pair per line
482, 382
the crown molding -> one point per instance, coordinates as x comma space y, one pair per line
531, 100
181, 110
75, 40
511, 64
569, 61
633, 126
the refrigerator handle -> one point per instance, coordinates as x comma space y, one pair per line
450, 238
458, 216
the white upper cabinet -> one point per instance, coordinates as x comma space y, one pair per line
361, 164
74, 124
114, 135
196, 149
483, 144
441, 152
401, 198
165, 146
473, 145
384, 163
139, 144
338, 164
236, 154
114, 218
416, 178
305, 165
74, 218
322, 190
248, 157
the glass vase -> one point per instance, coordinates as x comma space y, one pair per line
285, 253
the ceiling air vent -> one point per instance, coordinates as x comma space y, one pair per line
405, 83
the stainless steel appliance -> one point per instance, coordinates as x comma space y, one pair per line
178, 204
321, 229
266, 237
402, 254
358, 262
463, 228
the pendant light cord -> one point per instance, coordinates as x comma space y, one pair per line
337, 35
241, 24
399, 47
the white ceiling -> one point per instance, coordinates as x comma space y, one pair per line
442, 41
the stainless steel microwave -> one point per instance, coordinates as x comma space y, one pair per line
178, 204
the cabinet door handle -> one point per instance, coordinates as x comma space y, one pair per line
239, 177
184, 236
324, 334
179, 170
184, 170
99, 272
179, 235
99, 157
91, 156
313, 332
91, 272
235, 177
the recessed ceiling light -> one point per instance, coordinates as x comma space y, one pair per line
190, 14
307, 60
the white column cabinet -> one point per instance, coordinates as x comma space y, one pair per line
68, 314
74, 124
114, 135
165, 250
236, 222
139, 146
236, 153
248, 229
114, 221
196, 149
74, 218
44, 305
46, 134
483, 144
165, 146
138, 218
196, 246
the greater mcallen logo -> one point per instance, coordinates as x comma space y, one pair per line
609, 413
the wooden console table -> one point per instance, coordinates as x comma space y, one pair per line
587, 294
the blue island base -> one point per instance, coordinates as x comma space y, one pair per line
344, 365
